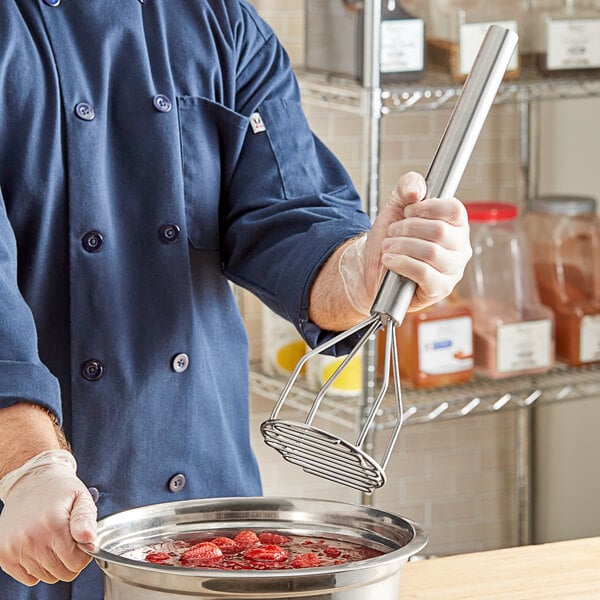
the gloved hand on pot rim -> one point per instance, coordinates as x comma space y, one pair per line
47, 511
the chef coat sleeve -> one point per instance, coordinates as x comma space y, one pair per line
22, 376
289, 203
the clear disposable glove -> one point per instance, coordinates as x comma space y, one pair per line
47, 510
426, 241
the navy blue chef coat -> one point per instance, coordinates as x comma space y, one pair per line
133, 186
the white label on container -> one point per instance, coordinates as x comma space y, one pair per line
402, 43
470, 37
446, 346
589, 338
524, 346
573, 44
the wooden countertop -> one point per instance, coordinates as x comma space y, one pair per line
562, 570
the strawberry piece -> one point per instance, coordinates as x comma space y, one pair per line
267, 537
268, 552
157, 557
305, 561
333, 552
204, 553
227, 545
246, 539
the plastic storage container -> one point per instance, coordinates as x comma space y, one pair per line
435, 346
347, 384
456, 28
564, 233
512, 330
282, 345
566, 36
335, 40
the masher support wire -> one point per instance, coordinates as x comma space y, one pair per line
371, 324
398, 396
323, 391
390, 364
385, 384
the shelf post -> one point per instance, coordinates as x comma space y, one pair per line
372, 134
529, 147
524, 474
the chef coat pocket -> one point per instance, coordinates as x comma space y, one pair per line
212, 137
303, 162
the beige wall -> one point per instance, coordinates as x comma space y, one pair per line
286, 17
569, 142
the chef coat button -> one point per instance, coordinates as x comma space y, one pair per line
162, 103
177, 482
92, 370
92, 241
180, 363
169, 233
52, 2
85, 111
95, 494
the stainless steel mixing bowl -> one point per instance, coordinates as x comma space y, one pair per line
378, 578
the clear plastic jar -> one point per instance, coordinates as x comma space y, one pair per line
565, 36
348, 382
564, 233
435, 346
282, 345
335, 40
512, 330
456, 28
402, 51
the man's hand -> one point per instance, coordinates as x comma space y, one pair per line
426, 241
47, 510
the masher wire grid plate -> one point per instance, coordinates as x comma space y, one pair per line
323, 454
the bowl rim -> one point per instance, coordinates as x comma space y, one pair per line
418, 542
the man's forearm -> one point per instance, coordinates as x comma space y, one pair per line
329, 305
26, 430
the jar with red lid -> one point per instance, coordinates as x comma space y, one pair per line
435, 346
513, 332
564, 233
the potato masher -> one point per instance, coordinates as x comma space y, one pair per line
326, 455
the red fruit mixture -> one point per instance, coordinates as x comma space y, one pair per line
202, 554
248, 550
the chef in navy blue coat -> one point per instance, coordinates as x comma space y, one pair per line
152, 152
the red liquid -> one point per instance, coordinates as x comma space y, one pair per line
269, 551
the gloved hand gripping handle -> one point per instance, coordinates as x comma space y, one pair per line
454, 150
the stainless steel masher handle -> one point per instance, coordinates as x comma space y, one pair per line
454, 150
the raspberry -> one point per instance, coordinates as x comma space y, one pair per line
157, 557
266, 537
227, 545
268, 552
246, 539
204, 553
305, 561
